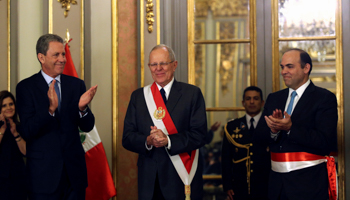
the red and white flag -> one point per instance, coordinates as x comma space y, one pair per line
100, 181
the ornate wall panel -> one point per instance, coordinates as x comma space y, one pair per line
4, 44
126, 38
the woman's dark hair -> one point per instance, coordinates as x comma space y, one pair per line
3, 95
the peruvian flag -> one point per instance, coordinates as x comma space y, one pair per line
100, 181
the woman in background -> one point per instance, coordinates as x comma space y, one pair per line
12, 149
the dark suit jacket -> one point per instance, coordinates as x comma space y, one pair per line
314, 130
234, 175
53, 143
187, 109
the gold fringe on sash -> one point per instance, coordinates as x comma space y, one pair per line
188, 192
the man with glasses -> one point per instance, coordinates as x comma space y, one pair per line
166, 124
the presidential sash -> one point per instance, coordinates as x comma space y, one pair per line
184, 164
287, 162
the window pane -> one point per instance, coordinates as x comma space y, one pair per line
306, 18
222, 19
222, 72
322, 53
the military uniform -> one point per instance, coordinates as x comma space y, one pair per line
245, 160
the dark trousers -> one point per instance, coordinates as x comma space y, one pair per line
157, 194
64, 191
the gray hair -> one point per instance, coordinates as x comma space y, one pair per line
170, 51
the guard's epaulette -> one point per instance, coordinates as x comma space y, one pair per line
230, 120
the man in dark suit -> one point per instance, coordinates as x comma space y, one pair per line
166, 124
52, 108
304, 136
245, 152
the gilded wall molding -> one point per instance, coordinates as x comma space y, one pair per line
66, 5
115, 92
8, 45
149, 15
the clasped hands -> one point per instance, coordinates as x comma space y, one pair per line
157, 138
85, 99
4, 126
277, 123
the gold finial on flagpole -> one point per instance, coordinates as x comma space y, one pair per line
67, 36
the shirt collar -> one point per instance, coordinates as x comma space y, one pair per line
167, 87
301, 89
256, 117
49, 79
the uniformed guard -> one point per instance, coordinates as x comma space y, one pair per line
245, 152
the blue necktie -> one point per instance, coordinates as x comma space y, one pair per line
291, 102
162, 92
58, 95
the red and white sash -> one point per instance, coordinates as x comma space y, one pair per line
184, 164
287, 162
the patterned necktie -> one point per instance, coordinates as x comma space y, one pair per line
58, 95
291, 102
251, 129
162, 92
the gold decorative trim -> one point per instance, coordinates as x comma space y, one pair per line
211, 177
50, 17
149, 15
158, 20
9, 45
142, 45
82, 39
115, 91
221, 41
190, 42
226, 109
275, 49
237, 69
307, 38
340, 98
218, 60
66, 5
253, 44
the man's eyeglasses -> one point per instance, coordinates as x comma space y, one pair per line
162, 64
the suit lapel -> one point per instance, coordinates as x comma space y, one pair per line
174, 96
64, 90
304, 100
41, 84
284, 95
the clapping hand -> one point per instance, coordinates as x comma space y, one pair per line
87, 97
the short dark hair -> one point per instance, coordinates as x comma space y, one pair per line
3, 95
304, 58
253, 88
42, 45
